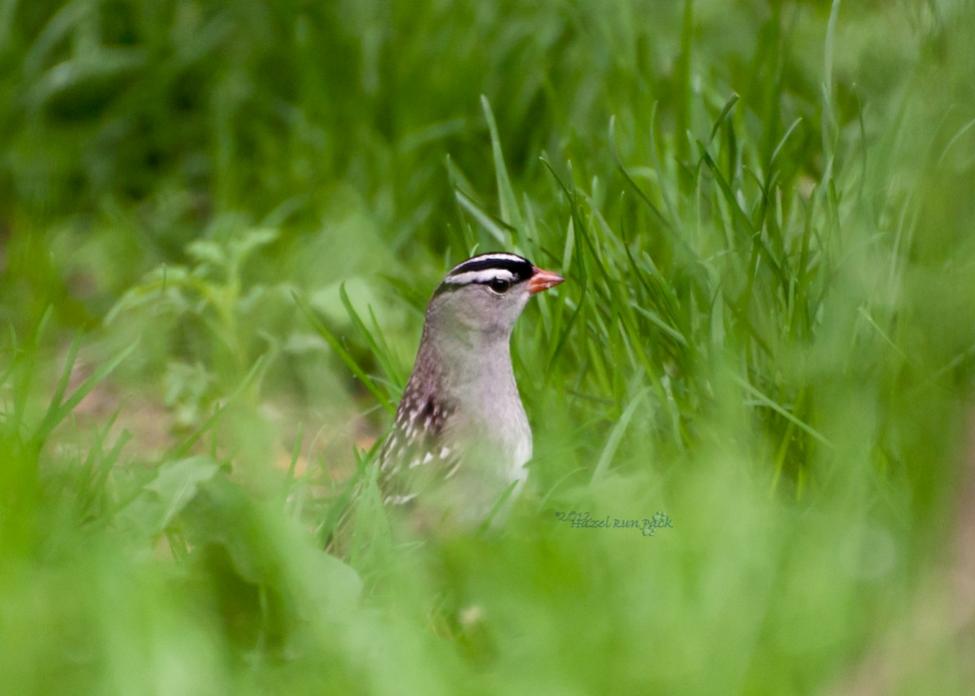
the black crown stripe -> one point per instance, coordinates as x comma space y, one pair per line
519, 267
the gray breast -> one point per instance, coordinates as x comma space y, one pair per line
493, 429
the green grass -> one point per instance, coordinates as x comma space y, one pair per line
219, 227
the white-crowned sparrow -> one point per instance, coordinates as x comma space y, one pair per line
461, 438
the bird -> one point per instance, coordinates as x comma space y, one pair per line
461, 438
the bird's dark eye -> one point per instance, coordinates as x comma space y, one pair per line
499, 285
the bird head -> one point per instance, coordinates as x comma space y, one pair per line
484, 296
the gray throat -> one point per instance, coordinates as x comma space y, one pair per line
473, 372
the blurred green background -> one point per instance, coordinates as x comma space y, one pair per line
220, 223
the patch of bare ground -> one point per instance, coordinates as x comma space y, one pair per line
324, 454
942, 616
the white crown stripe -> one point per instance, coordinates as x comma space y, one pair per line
484, 276
510, 258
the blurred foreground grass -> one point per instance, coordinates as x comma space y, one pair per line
765, 212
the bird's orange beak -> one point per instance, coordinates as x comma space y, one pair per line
542, 280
